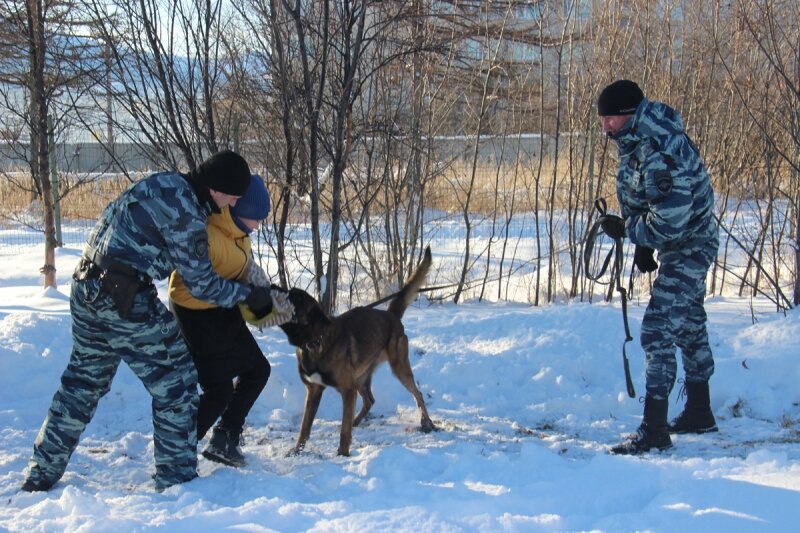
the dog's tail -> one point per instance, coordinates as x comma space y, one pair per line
409, 291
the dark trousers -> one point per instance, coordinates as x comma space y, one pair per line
231, 368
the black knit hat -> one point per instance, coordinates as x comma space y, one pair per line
620, 98
226, 172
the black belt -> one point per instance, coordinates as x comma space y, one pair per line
96, 264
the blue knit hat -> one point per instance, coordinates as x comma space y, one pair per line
254, 204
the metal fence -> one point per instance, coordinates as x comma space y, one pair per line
82, 157
95, 157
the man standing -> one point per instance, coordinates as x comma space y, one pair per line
667, 204
155, 226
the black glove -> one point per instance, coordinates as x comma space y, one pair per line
259, 301
613, 226
643, 259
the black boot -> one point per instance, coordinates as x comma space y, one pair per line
37, 485
223, 447
696, 416
652, 432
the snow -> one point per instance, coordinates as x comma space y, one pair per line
527, 401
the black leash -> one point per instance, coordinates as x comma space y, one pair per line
616, 274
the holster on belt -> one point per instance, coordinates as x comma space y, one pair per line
120, 281
122, 288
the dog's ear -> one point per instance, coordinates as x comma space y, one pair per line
300, 300
318, 315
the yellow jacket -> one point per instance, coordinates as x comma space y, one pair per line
229, 251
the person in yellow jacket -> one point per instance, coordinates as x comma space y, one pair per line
232, 369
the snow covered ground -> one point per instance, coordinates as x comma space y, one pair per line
527, 401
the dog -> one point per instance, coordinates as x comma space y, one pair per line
343, 352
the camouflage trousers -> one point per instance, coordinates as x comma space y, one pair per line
675, 317
151, 345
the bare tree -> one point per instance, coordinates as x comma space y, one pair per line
342, 106
42, 56
167, 76
762, 74
322, 56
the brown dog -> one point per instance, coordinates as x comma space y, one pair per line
343, 353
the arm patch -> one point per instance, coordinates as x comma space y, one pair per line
663, 181
201, 245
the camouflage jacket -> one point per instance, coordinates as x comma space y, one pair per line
663, 188
158, 225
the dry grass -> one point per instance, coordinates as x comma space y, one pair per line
80, 198
495, 185
494, 188
87, 201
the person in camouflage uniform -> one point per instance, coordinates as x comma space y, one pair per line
667, 204
154, 227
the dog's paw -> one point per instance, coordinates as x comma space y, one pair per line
364, 420
294, 452
427, 426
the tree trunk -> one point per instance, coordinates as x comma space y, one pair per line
41, 157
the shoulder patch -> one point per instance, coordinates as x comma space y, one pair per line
663, 181
201, 245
